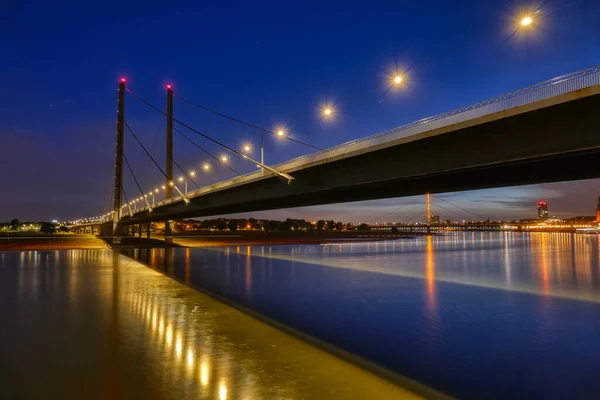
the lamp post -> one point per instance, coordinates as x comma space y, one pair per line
182, 179
192, 174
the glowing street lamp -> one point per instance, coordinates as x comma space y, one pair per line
224, 158
525, 21
327, 112
206, 166
398, 80
182, 179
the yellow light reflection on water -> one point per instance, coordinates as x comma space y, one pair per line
544, 265
222, 390
204, 373
169, 335
430, 273
178, 347
161, 327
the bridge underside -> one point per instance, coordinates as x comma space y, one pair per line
555, 143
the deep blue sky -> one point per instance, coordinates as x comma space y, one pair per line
269, 63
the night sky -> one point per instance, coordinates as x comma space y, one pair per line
269, 63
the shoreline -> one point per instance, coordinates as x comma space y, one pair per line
23, 242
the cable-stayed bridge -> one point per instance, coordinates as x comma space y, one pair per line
547, 132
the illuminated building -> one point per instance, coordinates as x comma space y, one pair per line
542, 208
598, 211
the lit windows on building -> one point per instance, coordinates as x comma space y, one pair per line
542, 208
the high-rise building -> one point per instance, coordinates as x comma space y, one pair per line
598, 211
542, 208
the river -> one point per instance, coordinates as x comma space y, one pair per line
472, 315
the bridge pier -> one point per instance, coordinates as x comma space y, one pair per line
148, 230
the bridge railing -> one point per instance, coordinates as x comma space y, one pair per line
544, 90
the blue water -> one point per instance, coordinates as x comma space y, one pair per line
474, 315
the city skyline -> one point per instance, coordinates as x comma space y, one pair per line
59, 128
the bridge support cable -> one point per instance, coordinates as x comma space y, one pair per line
127, 202
205, 151
459, 207
451, 212
281, 174
185, 173
144, 196
395, 210
106, 200
239, 121
170, 183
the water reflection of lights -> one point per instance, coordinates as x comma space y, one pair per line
430, 273
222, 390
190, 358
204, 373
178, 347
544, 264
169, 335
161, 328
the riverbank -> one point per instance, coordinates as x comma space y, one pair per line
20, 241
64, 241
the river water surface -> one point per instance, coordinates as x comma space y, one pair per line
474, 315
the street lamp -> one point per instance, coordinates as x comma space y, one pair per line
525, 21
327, 111
206, 166
224, 158
182, 179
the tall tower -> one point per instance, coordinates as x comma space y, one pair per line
598, 211
119, 160
542, 209
169, 161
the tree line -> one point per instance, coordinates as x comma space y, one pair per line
289, 224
